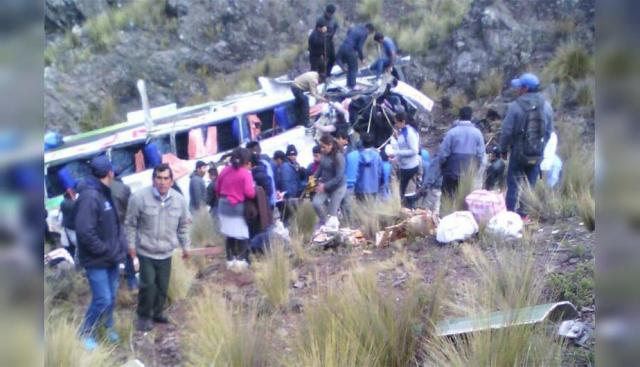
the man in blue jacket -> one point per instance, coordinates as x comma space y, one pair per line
287, 185
101, 248
351, 50
462, 146
388, 57
369, 170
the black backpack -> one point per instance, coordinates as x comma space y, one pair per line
530, 135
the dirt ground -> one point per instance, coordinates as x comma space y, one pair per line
560, 248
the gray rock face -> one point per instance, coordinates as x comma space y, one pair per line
224, 36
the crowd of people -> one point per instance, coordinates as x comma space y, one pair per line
248, 193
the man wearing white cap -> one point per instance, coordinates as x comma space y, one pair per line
526, 129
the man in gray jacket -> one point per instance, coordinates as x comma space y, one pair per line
197, 188
462, 146
157, 222
527, 87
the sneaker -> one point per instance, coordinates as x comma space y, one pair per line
242, 264
161, 319
113, 336
89, 343
144, 324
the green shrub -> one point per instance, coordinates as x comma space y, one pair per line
576, 286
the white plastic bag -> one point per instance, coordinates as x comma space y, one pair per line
457, 226
505, 224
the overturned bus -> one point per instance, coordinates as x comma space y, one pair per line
181, 136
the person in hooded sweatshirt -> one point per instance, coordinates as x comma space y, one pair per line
369, 170
102, 246
406, 146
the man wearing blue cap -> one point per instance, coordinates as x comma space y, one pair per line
526, 128
101, 249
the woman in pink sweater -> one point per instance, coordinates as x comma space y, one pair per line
234, 186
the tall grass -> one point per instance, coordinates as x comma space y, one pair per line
490, 85
273, 276
304, 220
220, 334
371, 216
571, 61
587, 210
64, 348
508, 282
204, 231
182, 277
359, 325
466, 184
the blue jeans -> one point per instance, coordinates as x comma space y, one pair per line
104, 288
516, 176
130, 273
379, 65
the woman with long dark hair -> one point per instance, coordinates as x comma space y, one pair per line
406, 145
233, 187
331, 185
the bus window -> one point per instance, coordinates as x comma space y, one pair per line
123, 159
65, 175
226, 141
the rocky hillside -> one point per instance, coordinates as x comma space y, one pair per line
192, 51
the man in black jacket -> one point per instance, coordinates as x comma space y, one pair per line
332, 28
317, 47
101, 248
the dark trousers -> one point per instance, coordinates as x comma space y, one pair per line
450, 185
316, 63
405, 176
350, 60
238, 249
154, 285
516, 176
302, 106
331, 55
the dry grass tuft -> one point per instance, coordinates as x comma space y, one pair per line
359, 325
431, 90
466, 185
304, 220
273, 276
64, 348
570, 62
182, 276
587, 210
204, 232
491, 85
221, 334
507, 280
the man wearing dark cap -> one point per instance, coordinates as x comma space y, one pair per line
317, 47
526, 129
462, 146
101, 249
292, 157
197, 188
332, 28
